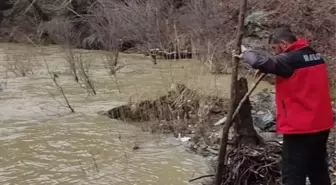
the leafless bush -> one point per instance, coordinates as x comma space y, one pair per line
207, 24
54, 77
107, 24
21, 64
84, 68
150, 23
72, 63
61, 31
26, 17
80, 70
111, 29
65, 34
111, 64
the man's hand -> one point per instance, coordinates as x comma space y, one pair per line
243, 49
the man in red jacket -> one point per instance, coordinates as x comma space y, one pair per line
304, 110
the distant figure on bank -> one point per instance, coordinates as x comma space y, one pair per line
304, 111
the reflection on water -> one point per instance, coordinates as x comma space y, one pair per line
41, 143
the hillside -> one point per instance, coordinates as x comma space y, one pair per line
205, 28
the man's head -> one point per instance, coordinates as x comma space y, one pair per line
281, 39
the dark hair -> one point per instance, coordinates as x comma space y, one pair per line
283, 33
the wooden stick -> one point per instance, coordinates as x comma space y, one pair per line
201, 177
233, 97
248, 94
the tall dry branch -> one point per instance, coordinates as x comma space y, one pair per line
233, 98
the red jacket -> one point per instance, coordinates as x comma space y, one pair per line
302, 88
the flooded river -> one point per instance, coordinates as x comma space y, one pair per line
43, 143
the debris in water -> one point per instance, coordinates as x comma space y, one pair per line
183, 139
219, 122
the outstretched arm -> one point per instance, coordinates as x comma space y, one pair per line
278, 65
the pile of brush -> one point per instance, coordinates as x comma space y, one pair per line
254, 165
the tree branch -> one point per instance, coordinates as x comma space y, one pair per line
234, 78
248, 94
201, 177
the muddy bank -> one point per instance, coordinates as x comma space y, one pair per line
184, 112
190, 116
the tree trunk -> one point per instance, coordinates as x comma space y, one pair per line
244, 130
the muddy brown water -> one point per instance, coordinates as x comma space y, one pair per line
42, 143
